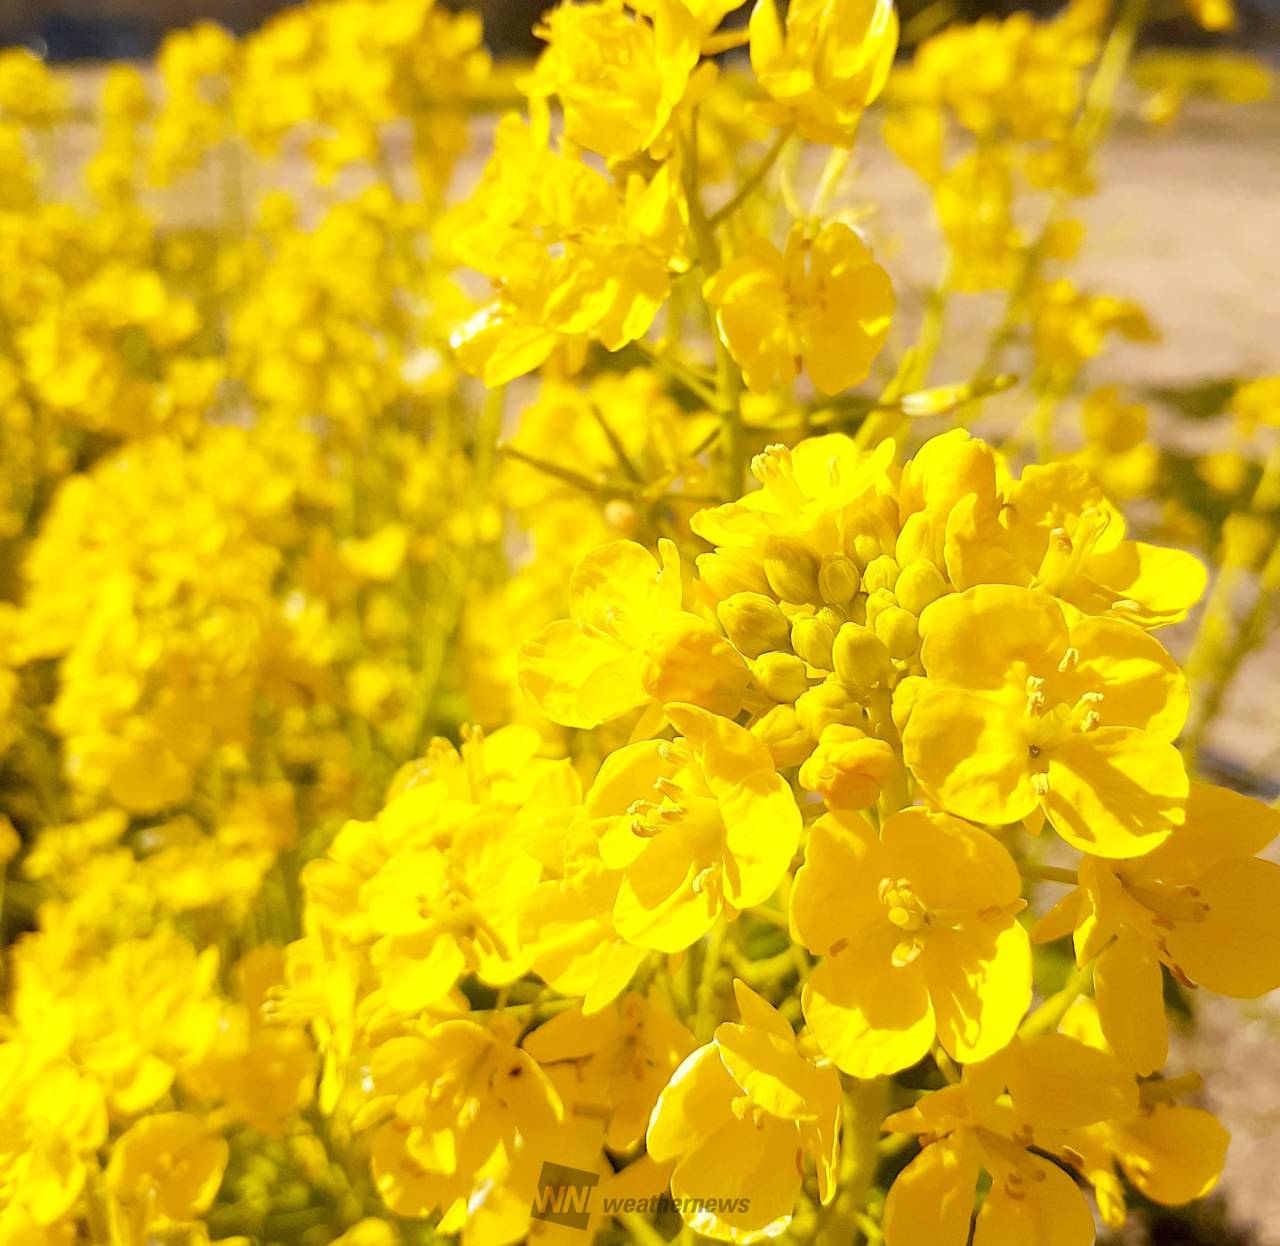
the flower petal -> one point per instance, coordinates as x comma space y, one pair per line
969, 753
1129, 989
1235, 948
980, 984
1115, 792
869, 1016
931, 1201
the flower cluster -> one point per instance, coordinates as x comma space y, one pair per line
609, 751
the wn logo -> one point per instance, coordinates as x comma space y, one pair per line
564, 1195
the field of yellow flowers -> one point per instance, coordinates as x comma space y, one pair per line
527, 713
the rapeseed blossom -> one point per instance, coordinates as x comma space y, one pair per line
538, 677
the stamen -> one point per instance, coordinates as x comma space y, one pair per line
701, 879
1035, 694
906, 952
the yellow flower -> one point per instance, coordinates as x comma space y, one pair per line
920, 937
168, 1165
30, 92
1015, 76
619, 77
1256, 404
462, 1100
823, 300
691, 828
833, 60
848, 768
263, 1073
567, 927
1199, 904
1071, 326
56, 1118
739, 1117
1036, 1093
708, 14
629, 644
1023, 711
1054, 529
1170, 1153
1117, 450
974, 202
151, 1013
809, 501
441, 913
573, 255
620, 1059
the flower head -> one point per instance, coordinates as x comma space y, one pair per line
1023, 710
739, 1116
823, 302
831, 62
919, 932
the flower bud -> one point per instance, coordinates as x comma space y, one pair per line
899, 631
780, 732
835, 617
731, 571
848, 768
753, 623
917, 538
838, 579
861, 659
791, 568
881, 572
812, 640
828, 703
918, 585
622, 516
866, 539
782, 676
877, 603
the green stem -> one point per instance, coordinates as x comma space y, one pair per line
888, 419
1220, 646
1170, 1089
832, 172
1047, 1016
752, 182
1099, 104
728, 378
701, 389
1050, 874
713, 954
